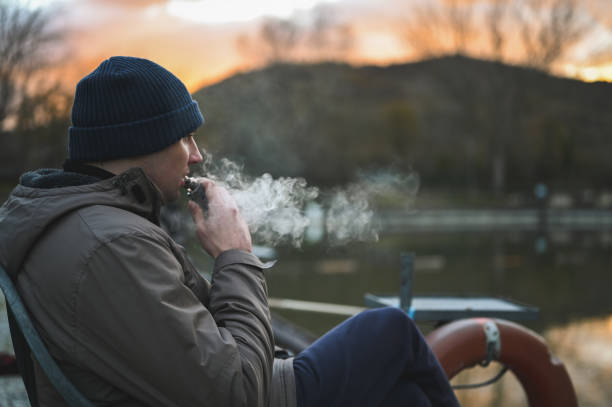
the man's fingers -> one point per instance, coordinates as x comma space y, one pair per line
208, 185
206, 182
221, 228
196, 212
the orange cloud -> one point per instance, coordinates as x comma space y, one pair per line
195, 53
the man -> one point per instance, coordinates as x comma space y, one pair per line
127, 317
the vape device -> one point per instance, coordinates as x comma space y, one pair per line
196, 192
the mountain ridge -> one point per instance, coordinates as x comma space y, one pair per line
458, 121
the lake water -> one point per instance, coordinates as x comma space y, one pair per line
565, 272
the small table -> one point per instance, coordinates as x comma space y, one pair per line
449, 308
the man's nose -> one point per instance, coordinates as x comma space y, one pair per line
194, 154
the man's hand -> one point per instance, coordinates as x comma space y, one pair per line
223, 228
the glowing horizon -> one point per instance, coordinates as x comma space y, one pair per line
200, 46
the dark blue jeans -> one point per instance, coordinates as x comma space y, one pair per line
376, 358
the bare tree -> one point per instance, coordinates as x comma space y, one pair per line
24, 41
274, 42
279, 40
32, 105
326, 36
495, 17
549, 29
424, 29
437, 27
280, 37
459, 15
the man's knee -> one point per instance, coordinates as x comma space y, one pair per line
388, 321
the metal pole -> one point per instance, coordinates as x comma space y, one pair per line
406, 271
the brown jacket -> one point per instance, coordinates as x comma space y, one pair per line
122, 310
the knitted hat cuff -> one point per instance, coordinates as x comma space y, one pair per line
133, 138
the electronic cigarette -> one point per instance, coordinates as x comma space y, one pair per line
196, 192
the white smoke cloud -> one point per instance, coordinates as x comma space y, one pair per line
351, 210
275, 208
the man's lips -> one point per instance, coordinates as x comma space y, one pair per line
183, 179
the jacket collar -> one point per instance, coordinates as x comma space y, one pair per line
137, 192
86, 169
44, 196
138, 189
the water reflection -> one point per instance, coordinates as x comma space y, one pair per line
586, 349
568, 281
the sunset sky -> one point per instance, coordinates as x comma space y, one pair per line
204, 41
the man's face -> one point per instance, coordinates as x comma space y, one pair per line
167, 168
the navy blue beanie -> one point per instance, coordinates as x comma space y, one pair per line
129, 107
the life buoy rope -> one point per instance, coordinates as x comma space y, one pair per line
464, 343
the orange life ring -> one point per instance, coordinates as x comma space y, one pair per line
465, 342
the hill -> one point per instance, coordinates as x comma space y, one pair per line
459, 122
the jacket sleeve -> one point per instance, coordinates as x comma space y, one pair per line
141, 328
